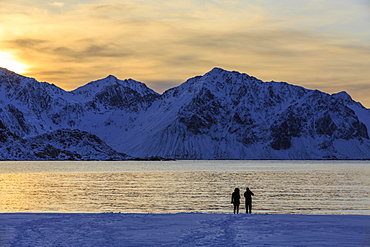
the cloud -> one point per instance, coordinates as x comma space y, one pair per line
57, 4
163, 43
91, 51
26, 43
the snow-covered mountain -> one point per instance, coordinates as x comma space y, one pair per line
220, 115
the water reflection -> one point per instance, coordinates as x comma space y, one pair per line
297, 192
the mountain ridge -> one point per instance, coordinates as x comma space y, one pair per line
220, 115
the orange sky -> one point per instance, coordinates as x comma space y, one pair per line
316, 44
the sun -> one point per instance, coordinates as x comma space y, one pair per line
9, 61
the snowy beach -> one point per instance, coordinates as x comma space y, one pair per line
183, 229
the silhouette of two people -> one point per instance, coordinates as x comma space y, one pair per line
235, 199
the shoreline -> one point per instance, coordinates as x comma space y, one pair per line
177, 213
182, 229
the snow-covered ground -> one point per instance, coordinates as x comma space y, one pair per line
184, 229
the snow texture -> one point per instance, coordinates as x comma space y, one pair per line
184, 229
220, 115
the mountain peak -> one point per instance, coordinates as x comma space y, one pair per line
6, 72
111, 77
342, 95
98, 84
112, 85
217, 70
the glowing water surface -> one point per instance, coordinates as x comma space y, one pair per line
284, 187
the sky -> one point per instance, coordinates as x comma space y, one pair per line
316, 44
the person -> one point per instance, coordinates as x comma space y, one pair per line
248, 200
235, 199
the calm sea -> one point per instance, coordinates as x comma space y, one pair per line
282, 187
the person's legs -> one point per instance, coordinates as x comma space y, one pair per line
236, 208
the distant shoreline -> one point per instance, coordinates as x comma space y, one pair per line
169, 159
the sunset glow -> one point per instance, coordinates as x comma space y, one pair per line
10, 62
322, 45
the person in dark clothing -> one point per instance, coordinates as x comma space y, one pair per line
235, 199
248, 200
